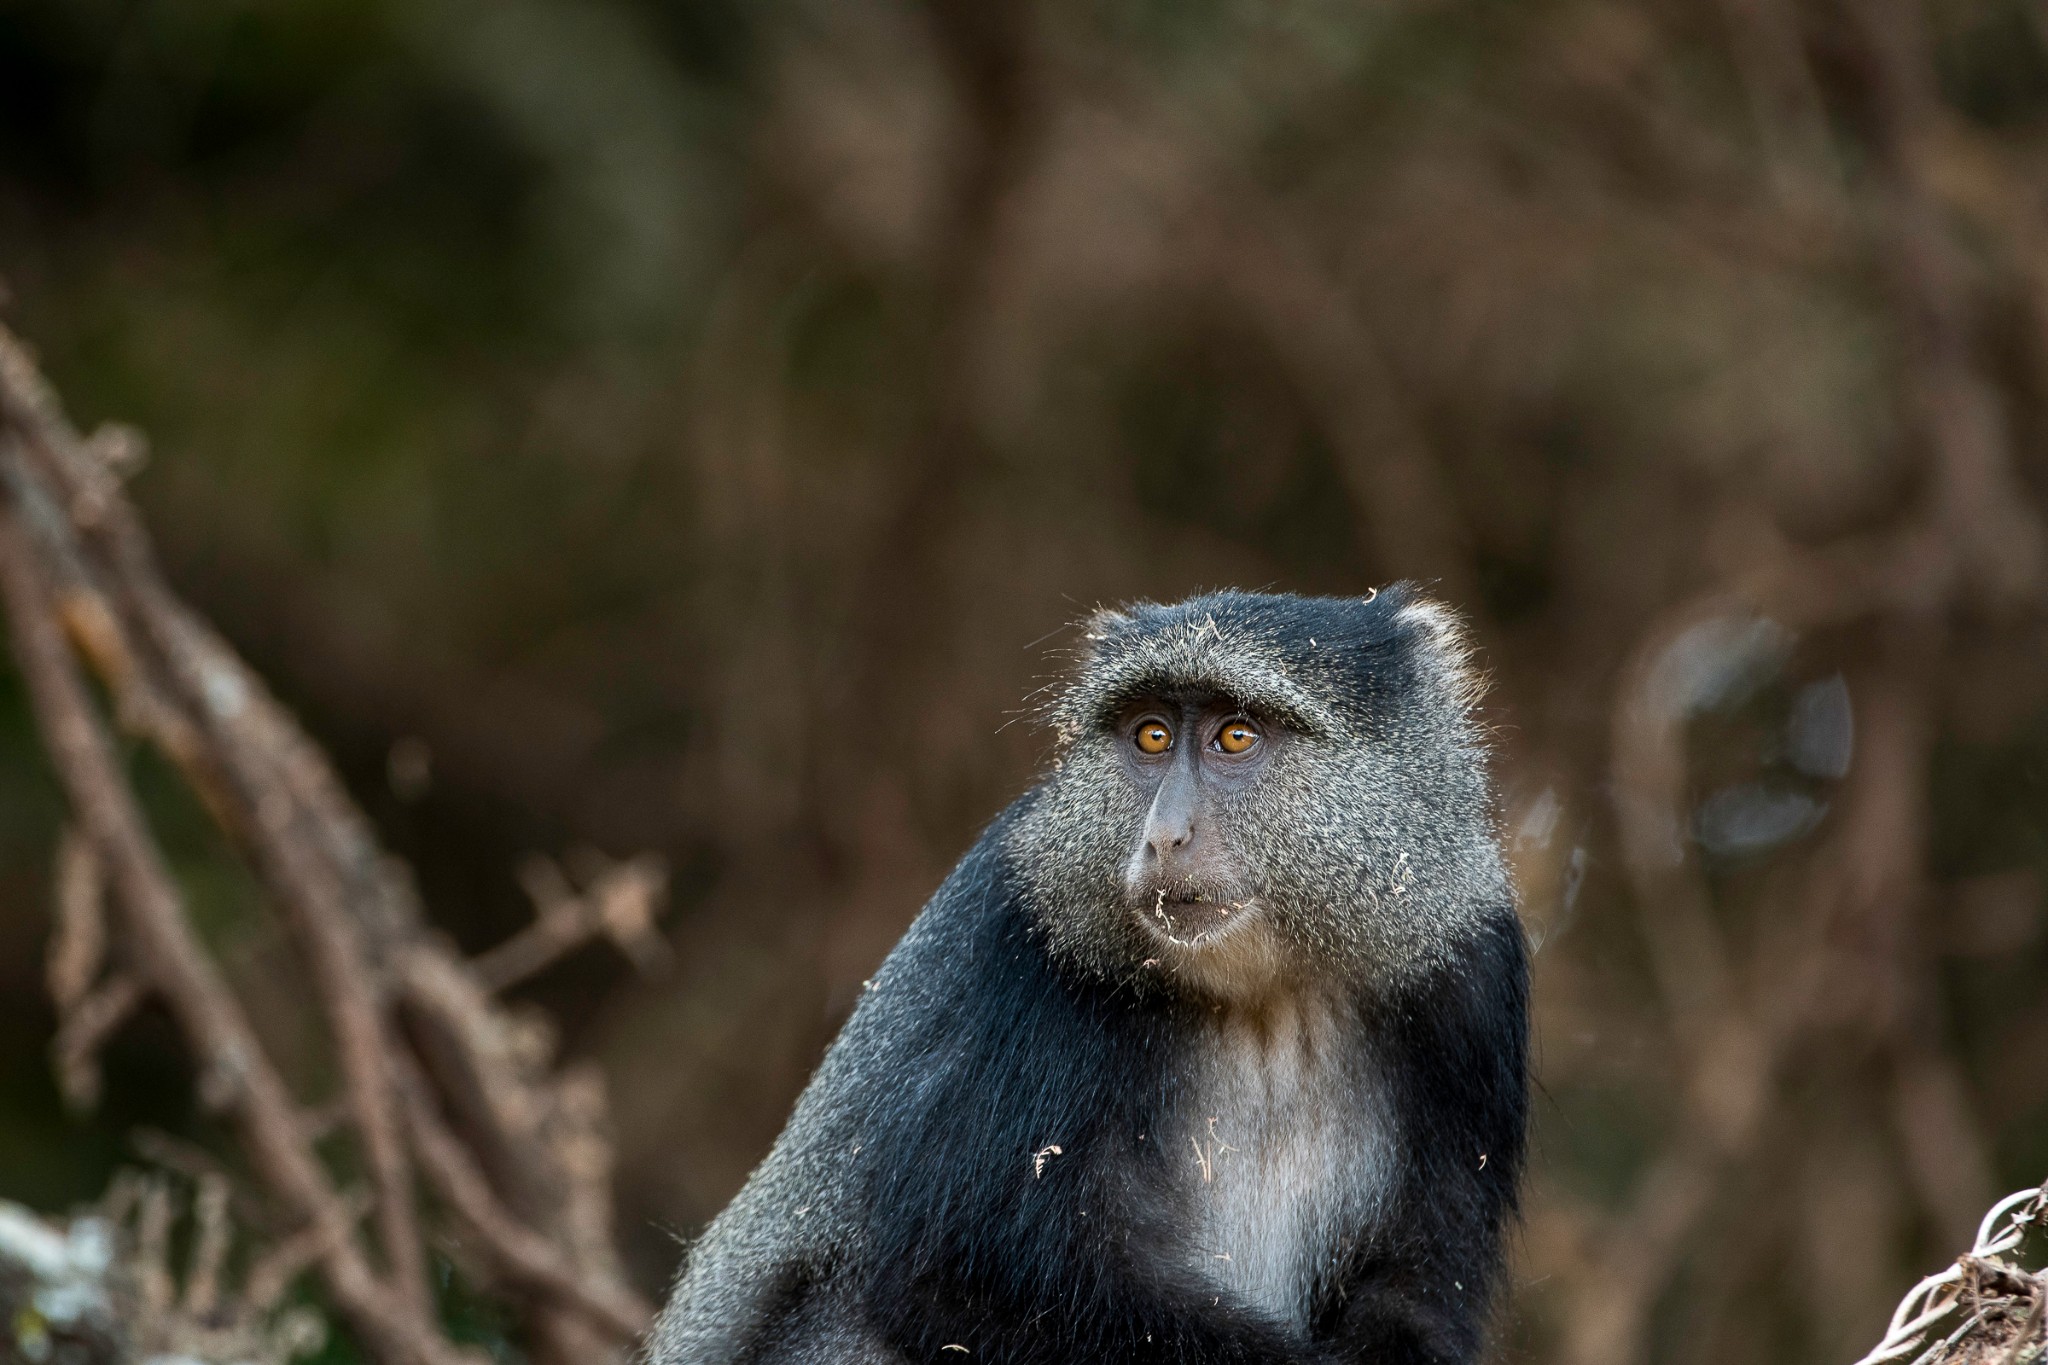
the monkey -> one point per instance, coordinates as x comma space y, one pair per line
1211, 1050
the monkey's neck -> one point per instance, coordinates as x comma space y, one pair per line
1275, 1152
1252, 971
1278, 1029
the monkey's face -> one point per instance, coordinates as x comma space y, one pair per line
1135, 847
1250, 789
1194, 763
1187, 759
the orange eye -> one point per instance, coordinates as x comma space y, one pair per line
1153, 737
1237, 737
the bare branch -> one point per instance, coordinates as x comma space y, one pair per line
521, 1252
273, 1272
620, 904
78, 947
242, 1078
79, 570
84, 1030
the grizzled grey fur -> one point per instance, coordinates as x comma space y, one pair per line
1386, 809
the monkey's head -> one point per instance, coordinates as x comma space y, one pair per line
1253, 791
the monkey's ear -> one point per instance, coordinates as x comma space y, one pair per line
1100, 624
1445, 647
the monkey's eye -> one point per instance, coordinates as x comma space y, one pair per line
1153, 737
1237, 737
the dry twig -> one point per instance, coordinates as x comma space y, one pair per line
2004, 1300
79, 582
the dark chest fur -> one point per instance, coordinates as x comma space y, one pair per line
1071, 1138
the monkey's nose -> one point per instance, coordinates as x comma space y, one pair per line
1168, 837
1170, 823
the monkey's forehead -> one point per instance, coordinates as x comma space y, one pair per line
1318, 664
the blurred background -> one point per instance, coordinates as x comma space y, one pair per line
691, 427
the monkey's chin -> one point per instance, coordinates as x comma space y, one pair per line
1223, 952
1191, 924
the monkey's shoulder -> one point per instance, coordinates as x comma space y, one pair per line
779, 1273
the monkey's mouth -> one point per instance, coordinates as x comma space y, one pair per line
1190, 918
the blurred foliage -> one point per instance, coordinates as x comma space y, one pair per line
694, 422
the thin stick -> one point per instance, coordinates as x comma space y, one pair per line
85, 1029
523, 1253
350, 908
237, 1073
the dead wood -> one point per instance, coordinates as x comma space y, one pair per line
438, 1079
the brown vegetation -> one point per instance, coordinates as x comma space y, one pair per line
1695, 348
441, 1087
